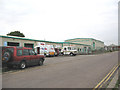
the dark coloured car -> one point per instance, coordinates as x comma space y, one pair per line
20, 57
56, 51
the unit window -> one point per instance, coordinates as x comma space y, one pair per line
12, 44
85, 48
28, 45
19, 52
93, 45
25, 52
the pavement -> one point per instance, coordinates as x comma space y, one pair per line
81, 71
113, 81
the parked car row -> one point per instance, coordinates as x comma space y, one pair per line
22, 57
49, 50
46, 50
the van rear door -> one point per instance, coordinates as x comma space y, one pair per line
38, 50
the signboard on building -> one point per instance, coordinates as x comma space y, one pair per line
5, 43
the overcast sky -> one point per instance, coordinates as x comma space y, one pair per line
58, 20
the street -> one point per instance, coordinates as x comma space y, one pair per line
81, 71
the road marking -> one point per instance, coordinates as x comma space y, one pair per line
103, 79
107, 77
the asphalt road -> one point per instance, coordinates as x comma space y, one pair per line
81, 71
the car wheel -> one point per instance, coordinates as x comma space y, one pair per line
45, 54
62, 53
23, 65
40, 63
71, 54
74, 54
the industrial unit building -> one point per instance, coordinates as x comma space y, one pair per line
83, 45
95, 44
25, 42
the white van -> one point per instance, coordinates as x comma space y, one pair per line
39, 49
69, 50
47, 50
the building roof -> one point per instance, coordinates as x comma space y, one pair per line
112, 45
85, 38
23, 38
75, 43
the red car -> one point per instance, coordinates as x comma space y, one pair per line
21, 57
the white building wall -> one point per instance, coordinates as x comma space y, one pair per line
22, 42
1, 43
98, 44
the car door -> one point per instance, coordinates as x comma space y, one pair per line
26, 56
33, 57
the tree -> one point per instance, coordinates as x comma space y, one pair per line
16, 33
